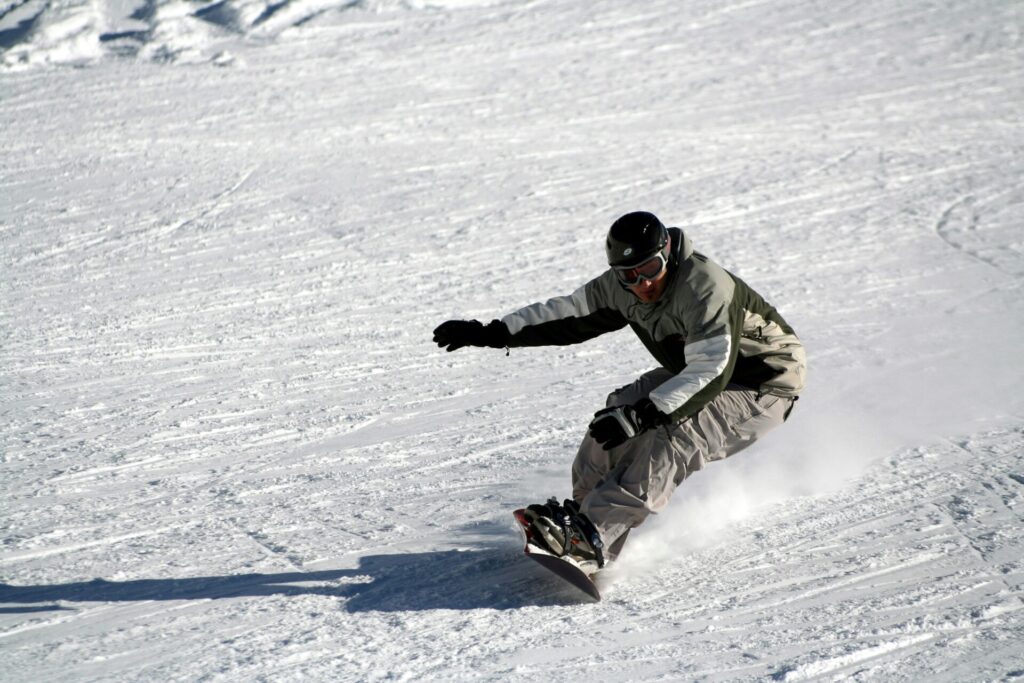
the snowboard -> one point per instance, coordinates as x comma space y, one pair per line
564, 567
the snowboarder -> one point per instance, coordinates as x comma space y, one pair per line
730, 371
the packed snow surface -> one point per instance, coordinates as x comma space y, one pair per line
230, 450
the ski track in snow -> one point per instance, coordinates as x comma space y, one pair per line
230, 451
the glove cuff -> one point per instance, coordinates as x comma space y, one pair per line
495, 335
648, 416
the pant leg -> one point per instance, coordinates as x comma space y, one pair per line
645, 471
592, 461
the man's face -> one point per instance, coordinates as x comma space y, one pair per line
650, 291
651, 276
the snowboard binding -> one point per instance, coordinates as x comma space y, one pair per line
563, 530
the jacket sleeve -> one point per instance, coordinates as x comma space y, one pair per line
713, 322
563, 320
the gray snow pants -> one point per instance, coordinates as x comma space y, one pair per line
618, 489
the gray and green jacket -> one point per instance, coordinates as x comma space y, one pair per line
709, 328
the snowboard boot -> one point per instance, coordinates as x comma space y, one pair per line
563, 530
586, 541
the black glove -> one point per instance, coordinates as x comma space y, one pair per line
455, 334
614, 426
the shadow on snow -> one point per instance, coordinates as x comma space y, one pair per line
494, 578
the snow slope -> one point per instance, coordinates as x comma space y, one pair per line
231, 452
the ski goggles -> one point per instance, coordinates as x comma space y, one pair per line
645, 270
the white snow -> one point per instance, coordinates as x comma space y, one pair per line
231, 452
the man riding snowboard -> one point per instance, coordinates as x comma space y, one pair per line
730, 371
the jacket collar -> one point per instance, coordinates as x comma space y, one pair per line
679, 258
682, 247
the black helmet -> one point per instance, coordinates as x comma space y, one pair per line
634, 238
